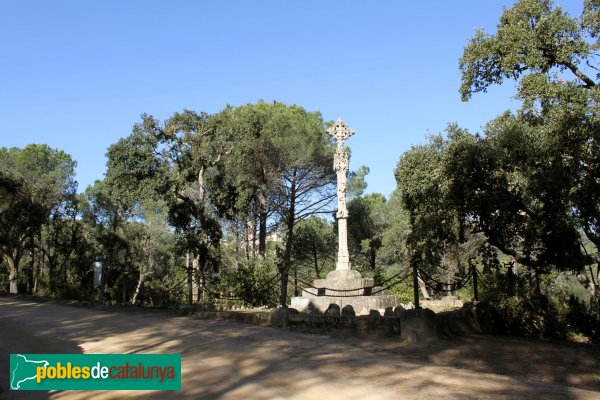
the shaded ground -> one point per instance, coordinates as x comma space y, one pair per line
229, 360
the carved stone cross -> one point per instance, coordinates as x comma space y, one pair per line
341, 132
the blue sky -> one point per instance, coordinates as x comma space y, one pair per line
77, 75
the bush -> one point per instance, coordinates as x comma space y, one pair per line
583, 317
404, 291
537, 318
254, 282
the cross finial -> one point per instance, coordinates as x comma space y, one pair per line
340, 131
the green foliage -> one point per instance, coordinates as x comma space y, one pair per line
393, 245
314, 247
544, 160
252, 282
422, 187
549, 318
366, 224
533, 41
404, 291
583, 317
35, 182
356, 182
533, 318
282, 169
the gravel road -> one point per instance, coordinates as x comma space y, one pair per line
231, 360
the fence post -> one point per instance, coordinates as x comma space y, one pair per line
415, 282
475, 283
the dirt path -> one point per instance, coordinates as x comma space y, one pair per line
229, 360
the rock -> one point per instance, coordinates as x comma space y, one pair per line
278, 317
311, 309
398, 311
418, 325
348, 311
481, 316
333, 311
473, 318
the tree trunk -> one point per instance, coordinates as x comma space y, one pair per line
37, 270
31, 267
247, 240
12, 278
65, 276
201, 187
423, 288
316, 262
189, 278
284, 287
13, 273
376, 273
42, 263
535, 282
13, 262
201, 278
195, 279
51, 272
262, 225
287, 255
138, 288
124, 289
296, 287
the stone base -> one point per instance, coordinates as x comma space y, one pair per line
341, 275
362, 305
343, 287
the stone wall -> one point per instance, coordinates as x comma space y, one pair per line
414, 325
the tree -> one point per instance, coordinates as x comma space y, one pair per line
522, 207
105, 223
170, 161
535, 44
553, 57
423, 187
35, 180
281, 165
155, 241
307, 182
394, 241
314, 248
441, 235
356, 182
61, 237
19, 216
367, 222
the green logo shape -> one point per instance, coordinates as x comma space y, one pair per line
95, 372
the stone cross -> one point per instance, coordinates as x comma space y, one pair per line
340, 132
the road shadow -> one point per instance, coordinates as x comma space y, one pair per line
225, 359
20, 337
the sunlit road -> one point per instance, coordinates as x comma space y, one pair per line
230, 360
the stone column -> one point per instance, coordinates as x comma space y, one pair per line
341, 132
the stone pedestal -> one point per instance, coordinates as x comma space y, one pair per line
343, 287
